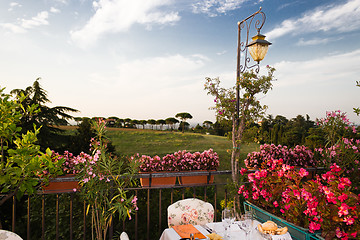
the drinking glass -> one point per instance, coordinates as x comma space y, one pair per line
246, 223
228, 217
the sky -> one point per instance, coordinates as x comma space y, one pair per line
148, 59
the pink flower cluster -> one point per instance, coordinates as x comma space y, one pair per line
335, 125
346, 154
83, 162
326, 203
335, 117
179, 161
300, 156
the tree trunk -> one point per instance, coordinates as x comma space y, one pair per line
238, 128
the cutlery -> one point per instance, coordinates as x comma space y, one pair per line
207, 228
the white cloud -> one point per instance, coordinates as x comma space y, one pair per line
38, 20
54, 10
338, 18
24, 24
120, 15
13, 27
214, 7
314, 41
13, 5
62, 1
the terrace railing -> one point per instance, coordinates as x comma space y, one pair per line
63, 215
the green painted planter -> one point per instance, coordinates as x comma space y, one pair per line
296, 232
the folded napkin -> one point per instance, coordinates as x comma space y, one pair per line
214, 236
185, 230
285, 236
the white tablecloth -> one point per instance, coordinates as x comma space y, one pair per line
235, 232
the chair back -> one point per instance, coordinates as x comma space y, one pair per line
190, 211
124, 236
7, 235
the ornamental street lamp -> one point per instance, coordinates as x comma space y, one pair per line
257, 49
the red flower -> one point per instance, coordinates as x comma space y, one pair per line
313, 226
343, 210
343, 197
335, 168
349, 220
243, 170
303, 172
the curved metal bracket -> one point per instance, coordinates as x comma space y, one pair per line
242, 45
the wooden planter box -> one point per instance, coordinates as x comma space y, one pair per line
196, 180
158, 181
296, 232
62, 185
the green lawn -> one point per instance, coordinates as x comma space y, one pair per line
151, 142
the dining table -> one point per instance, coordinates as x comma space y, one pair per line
234, 232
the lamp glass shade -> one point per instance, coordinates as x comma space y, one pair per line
258, 47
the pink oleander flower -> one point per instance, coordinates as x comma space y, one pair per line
255, 195
345, 181
134, 200
343, 197
335, 168
303, 172
343, 210
341, 186
241, 189
275, 203
306, 195
349, 220
338, 232
313, 226
251, 177
243, 171
296, 194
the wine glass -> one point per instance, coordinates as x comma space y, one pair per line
228, 217
246, 223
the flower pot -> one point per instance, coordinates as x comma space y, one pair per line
196, 180
296, 232
158, 181
62, 185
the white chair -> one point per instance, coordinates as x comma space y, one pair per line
124, 236
190, 211
7, 235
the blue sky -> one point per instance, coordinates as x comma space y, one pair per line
148, 59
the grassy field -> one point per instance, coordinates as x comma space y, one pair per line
151, 142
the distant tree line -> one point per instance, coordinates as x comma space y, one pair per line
169, 123
280, 130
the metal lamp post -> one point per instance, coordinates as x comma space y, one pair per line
257, 49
